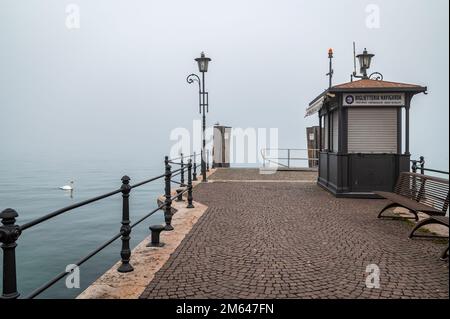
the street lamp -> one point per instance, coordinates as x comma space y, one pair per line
202, 63
203, 106
365, 60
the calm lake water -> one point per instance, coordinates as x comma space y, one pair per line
31, 188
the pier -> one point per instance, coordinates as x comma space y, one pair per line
251, 234
283, 236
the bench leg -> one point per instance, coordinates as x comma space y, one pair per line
444, 254
392, 205
424, 222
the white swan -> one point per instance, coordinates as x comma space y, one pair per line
67, 187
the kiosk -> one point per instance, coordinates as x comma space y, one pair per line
362, 150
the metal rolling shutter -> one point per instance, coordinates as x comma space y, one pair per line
372, 130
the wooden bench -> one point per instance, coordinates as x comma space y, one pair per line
441, 220
418, 193
421, 193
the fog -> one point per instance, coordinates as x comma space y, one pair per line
116, 86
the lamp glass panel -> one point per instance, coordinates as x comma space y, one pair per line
203, 65
367, 59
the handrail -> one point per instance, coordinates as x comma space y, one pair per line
10, 232
61, 275
312, 161
420, 164
66, 209
84, 203
193, 158
290, 149
184, 156
435, 171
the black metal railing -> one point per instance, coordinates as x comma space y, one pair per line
419, 166
182, 163
10, 231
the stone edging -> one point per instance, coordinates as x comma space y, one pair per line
146, 260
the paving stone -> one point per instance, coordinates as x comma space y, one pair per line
295, 240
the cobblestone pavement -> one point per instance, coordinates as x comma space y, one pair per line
295, 240
253, 174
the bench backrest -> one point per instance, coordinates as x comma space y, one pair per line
429, 190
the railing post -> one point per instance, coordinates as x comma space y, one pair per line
414, 166
422, 165
263, 155
194, 174
9, 233
125, 230
414, 182
182, 171
168, 201
289, 158
189, 194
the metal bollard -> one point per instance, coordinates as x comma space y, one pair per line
125, 230
189, 185
156, 231
9, 233
180, 194
207, 161
168, 201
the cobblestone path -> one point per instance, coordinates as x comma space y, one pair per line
295, 240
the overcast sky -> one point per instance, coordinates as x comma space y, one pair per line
117, 84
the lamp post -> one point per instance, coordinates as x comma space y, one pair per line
365, 60
203, 105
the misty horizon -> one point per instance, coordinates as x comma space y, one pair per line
116, 87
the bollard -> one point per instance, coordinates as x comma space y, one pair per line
194, 174
9, 233
156, 231
168, 201
207, 161
125, 230
189, 185
180, 194
182, 170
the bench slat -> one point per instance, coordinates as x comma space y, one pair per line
417, 192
